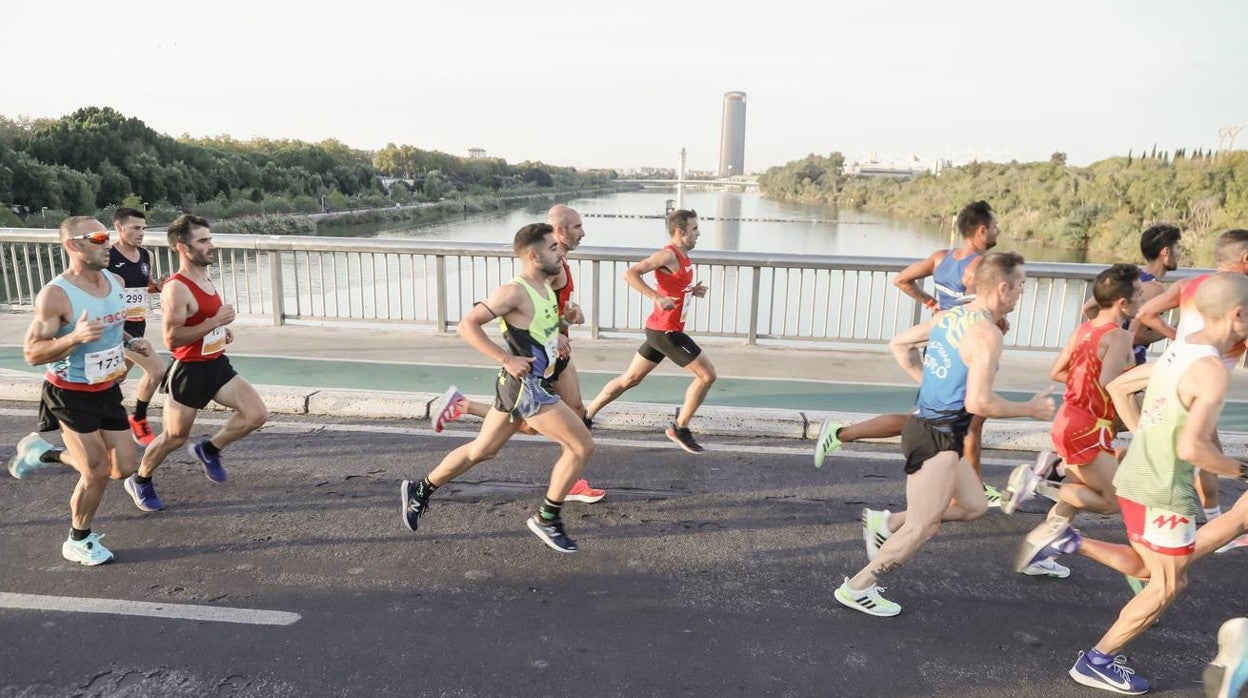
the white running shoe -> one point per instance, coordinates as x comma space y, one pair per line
1020, 488
1226, 674
29, 451
875, 530
1239, 542
868, 601
87, 551
827, 441
1047, 568
448, 408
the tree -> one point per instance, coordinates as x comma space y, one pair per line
1058, 159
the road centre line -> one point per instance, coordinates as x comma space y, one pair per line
216, 614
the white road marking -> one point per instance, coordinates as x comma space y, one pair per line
217, 614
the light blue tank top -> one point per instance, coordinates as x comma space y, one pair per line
942, 394
948, 278
99, 362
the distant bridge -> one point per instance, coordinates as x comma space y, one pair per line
708, 183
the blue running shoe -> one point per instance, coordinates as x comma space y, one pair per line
1048, 540
551, 533
1115, 676
212, 464
144, 495
1228, 672
29, 450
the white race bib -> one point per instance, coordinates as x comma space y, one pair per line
136, 303
552, 354
213, 342
104, 365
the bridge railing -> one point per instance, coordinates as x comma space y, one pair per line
757, 298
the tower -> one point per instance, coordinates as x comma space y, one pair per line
732, 136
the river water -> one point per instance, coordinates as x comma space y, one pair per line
809, 229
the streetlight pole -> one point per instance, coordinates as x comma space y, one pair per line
44, 214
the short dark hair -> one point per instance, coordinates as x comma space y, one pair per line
996, 267
180, 228
679, 220
1230, 246
530, 235
1158, 238
125, 212
1115, 282
972, 216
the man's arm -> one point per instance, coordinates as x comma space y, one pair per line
52, 309
908, 279
1060, 370
1150, 313
906, 347
663, 259
981, 350
1203, 389
504, 300
1117, 355
1122, 391
1144, 335
177, 305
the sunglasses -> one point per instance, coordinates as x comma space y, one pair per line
95, 238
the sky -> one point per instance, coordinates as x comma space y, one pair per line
628, 84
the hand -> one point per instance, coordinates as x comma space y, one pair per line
699, 290
563, 346
518, 366
142, 347
225, 315
573, 315
154, 284
1004, 325
86, 330
932, 304
1041, 406
229, 335
665, 302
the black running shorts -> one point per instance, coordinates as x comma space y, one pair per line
923, 438
523, 397
194, 383
677, 346
81, 411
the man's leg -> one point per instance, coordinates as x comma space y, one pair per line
1167, 579
561, 424
882, 426
249, 412
703, 378
91, 458
1089, 487
176, 422
568, 388
153, 368
637, 371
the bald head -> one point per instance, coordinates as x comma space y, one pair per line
1221, 294
567, 224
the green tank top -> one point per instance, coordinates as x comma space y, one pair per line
1151, 473
539, 339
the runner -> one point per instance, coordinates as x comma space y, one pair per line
1085, 425
1175, 430
128, 259
78, 331
569, 231
530, 321
665, 328
196, 329
955, 377
952, 271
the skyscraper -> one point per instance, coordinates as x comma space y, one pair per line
732, 136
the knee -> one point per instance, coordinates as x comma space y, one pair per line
479, 453
582, 449
256, 418
96, 477
174, 441
629, 381
976, 509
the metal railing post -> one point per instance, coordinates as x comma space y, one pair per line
277, 287
439, 266
595, 275
755, 283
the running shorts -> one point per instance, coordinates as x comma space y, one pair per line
923, 438
523, 397
194, 383
677, 346
81, 411
1078, 435
1158, 529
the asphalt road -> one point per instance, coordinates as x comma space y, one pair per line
698, 575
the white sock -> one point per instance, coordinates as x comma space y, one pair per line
1212, 513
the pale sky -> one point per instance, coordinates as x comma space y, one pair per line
627, 84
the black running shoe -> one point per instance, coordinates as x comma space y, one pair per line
589, 423
551, 533
682, 437
413, 507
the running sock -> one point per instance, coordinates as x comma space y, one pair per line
210, 448
52, 455
78, 533
140, 410
550, 510
141, 480
1099, 658
424, 488
1212, 513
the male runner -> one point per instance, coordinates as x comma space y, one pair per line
530, 320
1176, 431
569, 231
952, 272
77, 330
128, 259
1083, 431
196, 329
665, 328
955, 376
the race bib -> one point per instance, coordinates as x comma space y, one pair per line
552, 354
136, 303
213, 342
104, 365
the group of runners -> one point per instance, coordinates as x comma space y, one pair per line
89, 326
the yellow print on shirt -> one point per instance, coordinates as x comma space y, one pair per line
956, 322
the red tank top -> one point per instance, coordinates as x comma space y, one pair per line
211, 345
1083, 385
562, 295
676, 286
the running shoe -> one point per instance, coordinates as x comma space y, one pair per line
143, 494
448, 408
29, 451
682, 437
1047, 568
589, 423
212, 464
868, 601
551, 533
1115, 676
413, 507
582, 492
1226, 674
1020, 488
1048, 540
140, 430
1046, 464
875, 530
87, 551
827, 441
1239, 542
993, 495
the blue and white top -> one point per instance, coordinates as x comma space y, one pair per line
94, 365
942, 394
948, 278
